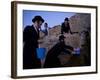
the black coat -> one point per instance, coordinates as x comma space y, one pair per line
52, 59
30, 41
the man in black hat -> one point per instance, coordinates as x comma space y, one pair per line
30, 40
65, 27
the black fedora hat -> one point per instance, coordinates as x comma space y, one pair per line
37, 18
66, 19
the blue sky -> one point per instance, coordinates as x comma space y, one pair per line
52, 18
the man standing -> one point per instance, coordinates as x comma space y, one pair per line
65, 27
30, 40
